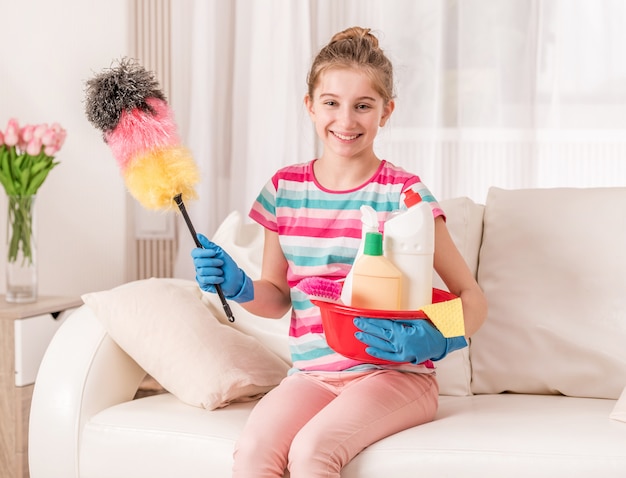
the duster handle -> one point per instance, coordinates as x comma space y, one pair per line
178, 199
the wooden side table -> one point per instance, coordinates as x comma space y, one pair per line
25, 332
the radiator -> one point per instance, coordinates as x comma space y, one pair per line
155, 257
152, 252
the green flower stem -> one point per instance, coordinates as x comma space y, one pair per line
20, 222
22, 175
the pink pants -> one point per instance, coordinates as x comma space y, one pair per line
313, 424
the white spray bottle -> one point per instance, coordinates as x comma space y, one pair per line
369, 223
409, 242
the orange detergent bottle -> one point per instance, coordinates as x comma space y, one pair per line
376, 281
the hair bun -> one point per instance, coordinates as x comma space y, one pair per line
356, 33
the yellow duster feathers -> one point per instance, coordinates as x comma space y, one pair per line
155, 177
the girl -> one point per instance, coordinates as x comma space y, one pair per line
329, 408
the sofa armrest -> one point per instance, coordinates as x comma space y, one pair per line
83, 372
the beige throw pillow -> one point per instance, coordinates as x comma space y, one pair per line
174, 337
552, 267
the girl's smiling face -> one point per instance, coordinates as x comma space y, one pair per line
347, 112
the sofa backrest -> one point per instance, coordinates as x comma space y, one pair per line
552, 265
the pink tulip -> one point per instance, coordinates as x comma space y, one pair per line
34, 147
50, 150
40, 130
49, 137
32, 138
53, 139
26, 133
61, 135
11, 134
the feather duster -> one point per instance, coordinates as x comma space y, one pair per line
126, 104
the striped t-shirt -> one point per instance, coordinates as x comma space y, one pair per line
320, 232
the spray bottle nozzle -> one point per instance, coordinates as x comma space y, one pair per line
411, 198
369, 218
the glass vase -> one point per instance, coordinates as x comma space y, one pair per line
21, 241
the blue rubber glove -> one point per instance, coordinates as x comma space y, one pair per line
214, 266
413, 341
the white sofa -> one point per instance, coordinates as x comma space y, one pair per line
537, 394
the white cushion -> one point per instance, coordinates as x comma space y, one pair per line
244, 243
160, 437
552, 267
480, 436
164, 326
619, 411
464, 219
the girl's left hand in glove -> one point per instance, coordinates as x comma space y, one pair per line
413, 341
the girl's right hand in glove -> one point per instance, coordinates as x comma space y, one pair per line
214, 266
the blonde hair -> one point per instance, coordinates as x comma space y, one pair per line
355, 47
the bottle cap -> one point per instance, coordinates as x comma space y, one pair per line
411, 198
373, 244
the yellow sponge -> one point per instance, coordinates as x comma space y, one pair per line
447, 317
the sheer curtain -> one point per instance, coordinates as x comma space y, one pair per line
238, 96
514, 93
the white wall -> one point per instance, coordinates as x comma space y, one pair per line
49, 50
